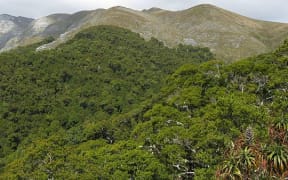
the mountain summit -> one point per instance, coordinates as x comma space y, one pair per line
230, 36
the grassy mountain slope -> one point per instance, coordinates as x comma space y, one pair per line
230, 36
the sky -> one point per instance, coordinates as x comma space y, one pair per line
270, 10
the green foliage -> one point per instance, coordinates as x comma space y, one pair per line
110, 105
257, 160
93, 88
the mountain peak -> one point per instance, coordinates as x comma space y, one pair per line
152, 10
205, 6
6, 17
10, 17
120, 8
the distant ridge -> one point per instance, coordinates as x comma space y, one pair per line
229, 35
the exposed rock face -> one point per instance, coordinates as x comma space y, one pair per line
39, 25
6, 26
11, 27
229, 35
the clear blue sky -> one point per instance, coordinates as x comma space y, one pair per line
271, 10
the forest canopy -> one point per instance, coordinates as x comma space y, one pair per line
109, 104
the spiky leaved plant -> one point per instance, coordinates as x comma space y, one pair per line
249, 136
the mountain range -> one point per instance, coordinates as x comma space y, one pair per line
229, 35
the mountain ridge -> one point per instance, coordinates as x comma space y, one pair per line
229, 35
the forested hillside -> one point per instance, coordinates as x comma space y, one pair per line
110, 105
92, 89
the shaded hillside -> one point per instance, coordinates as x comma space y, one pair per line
230, 36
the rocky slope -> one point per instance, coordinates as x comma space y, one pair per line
11, 27
230, 36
